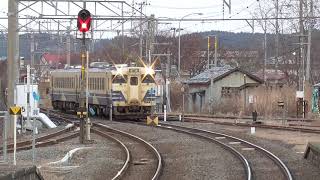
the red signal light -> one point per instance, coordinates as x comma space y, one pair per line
84, 21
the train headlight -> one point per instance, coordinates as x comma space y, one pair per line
149, 70
119, 71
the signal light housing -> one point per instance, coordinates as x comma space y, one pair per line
84, 21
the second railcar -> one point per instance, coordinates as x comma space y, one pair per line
66, 88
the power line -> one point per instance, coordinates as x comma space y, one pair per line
183, 8
243, 9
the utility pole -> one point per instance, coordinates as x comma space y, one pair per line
68, 46
265, 52
168, 82
302, 54
122, 30
209, 63
150, 35
215, 50
277, 37
308, 70
140, 26
13, 58
301, 41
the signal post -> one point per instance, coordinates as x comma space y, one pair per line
83, 24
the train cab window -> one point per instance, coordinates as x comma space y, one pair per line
103, 81
148, 79
119, 79
134, 81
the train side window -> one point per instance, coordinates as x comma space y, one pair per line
99, 83
92, 83
95, 84
134, 81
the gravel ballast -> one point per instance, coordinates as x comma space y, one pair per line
185, 156
299, 167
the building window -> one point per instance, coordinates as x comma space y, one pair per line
230, 91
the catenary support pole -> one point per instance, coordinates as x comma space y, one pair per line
13, 56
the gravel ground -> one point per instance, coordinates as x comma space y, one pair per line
268, 139
185, 156
103, 160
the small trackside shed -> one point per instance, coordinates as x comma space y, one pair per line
210, 88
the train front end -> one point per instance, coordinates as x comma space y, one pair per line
133, 91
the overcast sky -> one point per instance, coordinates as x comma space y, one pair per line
180, 8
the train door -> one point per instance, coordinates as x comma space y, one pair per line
134, 90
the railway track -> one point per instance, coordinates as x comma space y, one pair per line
257, 162
254, 158
45, 140
141, 152
213, 119
137, 151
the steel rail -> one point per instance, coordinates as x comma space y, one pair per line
210, 119
243, 160
125, 166
47, 142
276, 159
41, 138
290, 128
124, 147
147, 144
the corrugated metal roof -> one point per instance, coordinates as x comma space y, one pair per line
212, 73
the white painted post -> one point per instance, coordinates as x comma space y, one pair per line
165, 113
15, 117
253, 130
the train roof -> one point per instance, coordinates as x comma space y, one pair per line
78, 70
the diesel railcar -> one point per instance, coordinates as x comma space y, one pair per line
133, 90
130, 90
66, 89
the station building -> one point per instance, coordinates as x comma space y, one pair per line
211, 88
